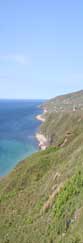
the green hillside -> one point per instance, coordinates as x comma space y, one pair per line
68, 102
41, 201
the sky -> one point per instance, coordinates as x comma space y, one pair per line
41, 48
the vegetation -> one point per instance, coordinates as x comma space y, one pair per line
62, 127
65, 103
41, 200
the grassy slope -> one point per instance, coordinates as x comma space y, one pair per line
61, 125
42, 199
66, 102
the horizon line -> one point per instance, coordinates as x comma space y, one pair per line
58, 94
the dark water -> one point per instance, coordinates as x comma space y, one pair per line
17, 132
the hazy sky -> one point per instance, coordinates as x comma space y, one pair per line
41, 48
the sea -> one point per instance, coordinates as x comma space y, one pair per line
18, 126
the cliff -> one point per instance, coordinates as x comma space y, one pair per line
42, 199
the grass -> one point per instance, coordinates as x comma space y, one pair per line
55, 174
25, 191
68, 102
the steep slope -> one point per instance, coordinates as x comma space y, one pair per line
42, 199
61, 127
68, 102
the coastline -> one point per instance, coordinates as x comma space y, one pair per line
42, 140
40, 118
43, 143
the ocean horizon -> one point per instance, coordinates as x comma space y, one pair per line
18, 126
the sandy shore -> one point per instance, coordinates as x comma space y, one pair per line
40, 118
42, 141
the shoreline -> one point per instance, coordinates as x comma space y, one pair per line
42, 143
42, 140
41, 117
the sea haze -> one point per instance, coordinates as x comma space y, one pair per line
17, 131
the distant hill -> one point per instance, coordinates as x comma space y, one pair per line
64, 117
68, 102
41, 201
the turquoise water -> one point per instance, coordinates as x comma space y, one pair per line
17, 132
